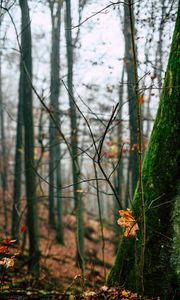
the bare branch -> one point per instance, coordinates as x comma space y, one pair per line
103, 10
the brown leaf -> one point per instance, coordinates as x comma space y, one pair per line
3, 249
141, 99
127, 220
23, 228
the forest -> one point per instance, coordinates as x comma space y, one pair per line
89, 149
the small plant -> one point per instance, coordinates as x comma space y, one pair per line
7, 258
8, 253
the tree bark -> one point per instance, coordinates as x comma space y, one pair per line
55, 151
18, 166
129, 64
30, 175
160, 181
74, 142
4, 159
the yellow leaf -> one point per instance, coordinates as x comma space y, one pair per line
7, 262
29, 293
72, 297
127, 220
10, 263
141, 99
125, 293
79, 191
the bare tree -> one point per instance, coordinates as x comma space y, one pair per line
3, 150
74, 140
30, 175
18, 164
129, 65
54, 146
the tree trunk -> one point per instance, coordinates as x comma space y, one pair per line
159, 57
129, 64
18, 166
26, 59
74, 141
55, 151
3, 150
119, 171
160, 181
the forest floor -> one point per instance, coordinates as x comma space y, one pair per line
60, 277
60, 274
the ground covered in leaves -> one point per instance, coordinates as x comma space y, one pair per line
59, 271
102, 293
60, 277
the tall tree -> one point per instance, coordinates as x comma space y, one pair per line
18, 165
54, 150
74, 140
119, 170
3, 149
30, 175
160, 176
159, 54
129, 64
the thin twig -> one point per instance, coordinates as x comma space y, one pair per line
99, 155
103, 10
100, 220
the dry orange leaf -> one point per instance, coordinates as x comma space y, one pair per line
153, 77
127, 220
3, 249
72, 297
79, 191
23, 228
9, 241
141, 99
125, 293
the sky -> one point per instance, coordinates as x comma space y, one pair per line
98, 60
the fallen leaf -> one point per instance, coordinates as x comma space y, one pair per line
3, 249
72, 297
7, 262
9, 241
125, 293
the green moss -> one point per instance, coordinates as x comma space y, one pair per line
160, 177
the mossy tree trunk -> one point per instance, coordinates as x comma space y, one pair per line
160, 176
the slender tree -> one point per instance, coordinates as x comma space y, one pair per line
159, 54
119, 170
129, 65
18, 166
74, 140
30, 175
55, 151
160, 176
3, 149
119, 175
